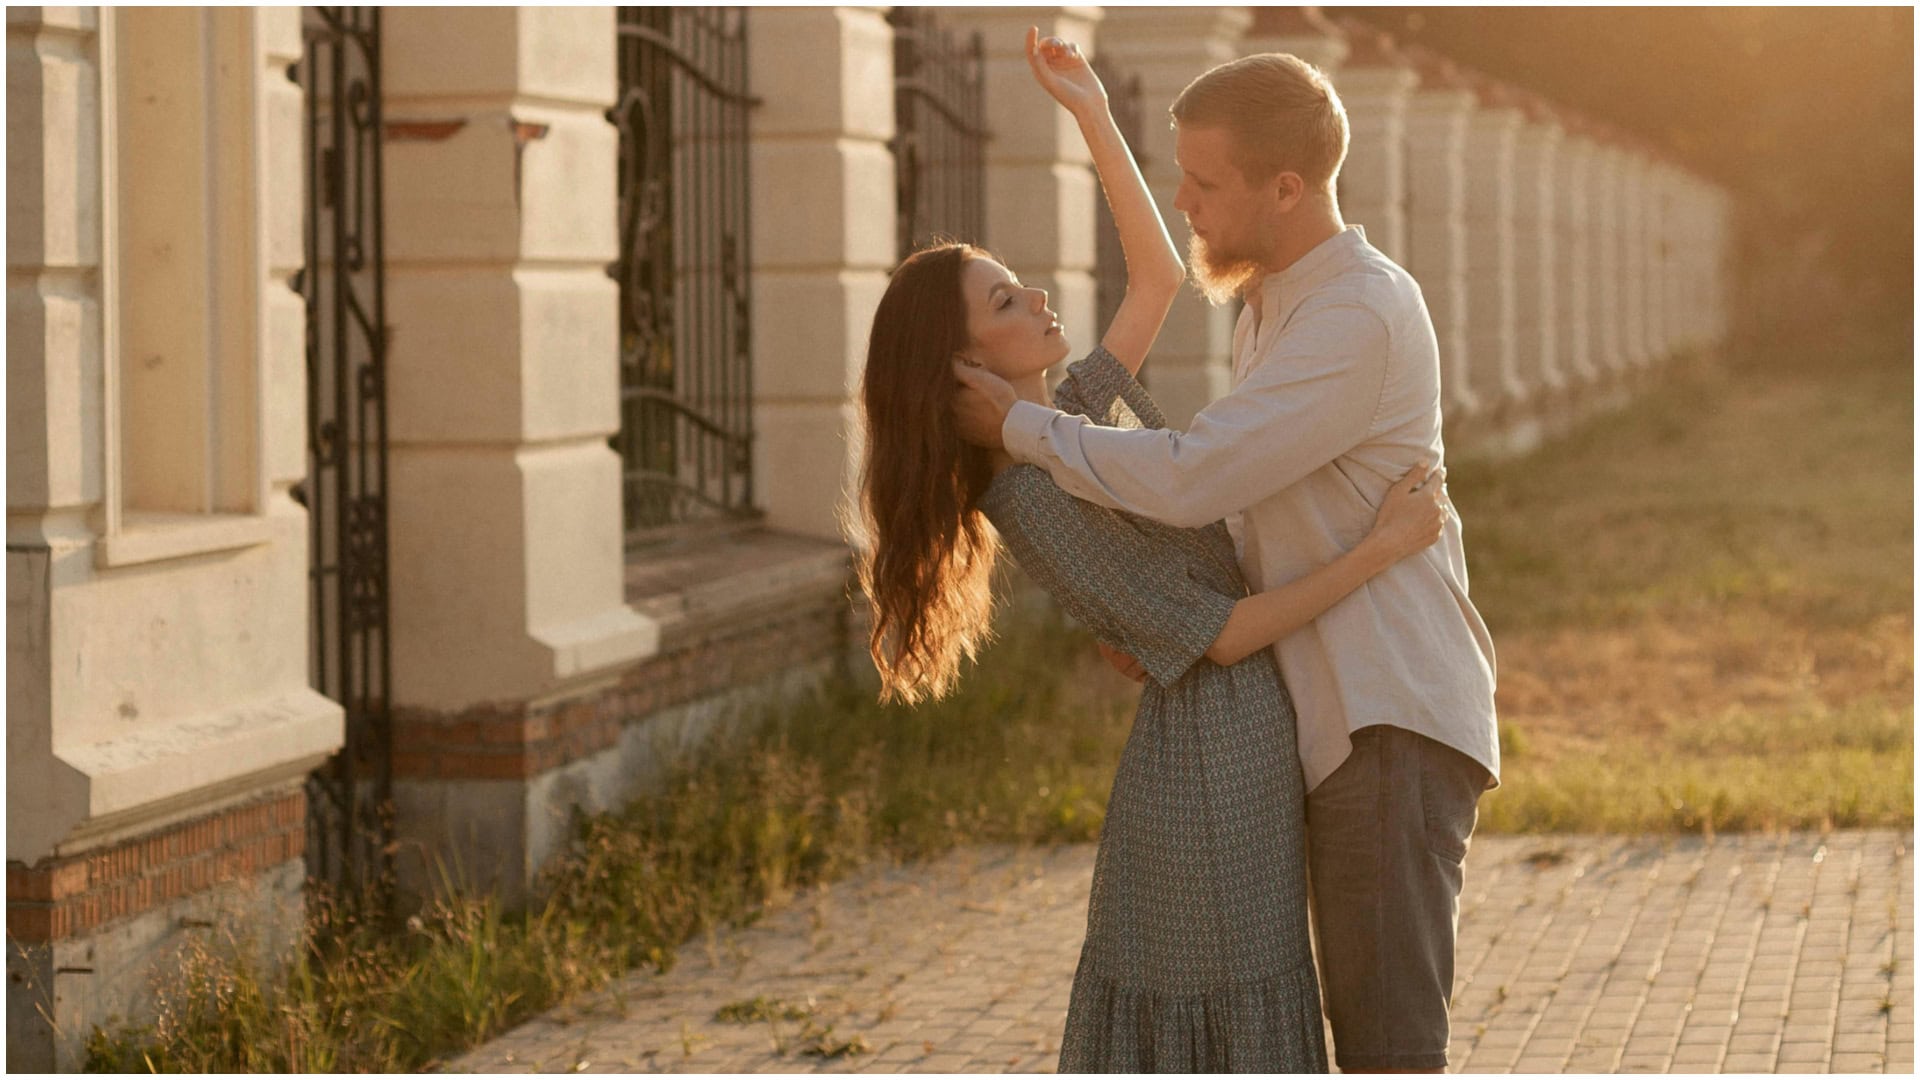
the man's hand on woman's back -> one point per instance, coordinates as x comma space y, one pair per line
1122, 663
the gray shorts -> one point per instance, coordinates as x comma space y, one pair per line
1387, 839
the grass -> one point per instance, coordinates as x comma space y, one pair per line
1704, 615
1703, 607
1020, 754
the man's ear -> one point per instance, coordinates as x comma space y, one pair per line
1289, 190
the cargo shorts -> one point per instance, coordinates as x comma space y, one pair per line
1387, 838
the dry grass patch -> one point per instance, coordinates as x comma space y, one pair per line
1703, 607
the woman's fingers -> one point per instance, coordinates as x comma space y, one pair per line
1412, 479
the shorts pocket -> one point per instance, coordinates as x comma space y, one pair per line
1450, 797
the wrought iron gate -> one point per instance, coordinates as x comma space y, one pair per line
939, 150
686, 361
1110, 261
349, 831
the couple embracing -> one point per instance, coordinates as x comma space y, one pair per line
1285, 577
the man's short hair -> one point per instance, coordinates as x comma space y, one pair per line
1282, 112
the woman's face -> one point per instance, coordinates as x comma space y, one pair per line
1014, 334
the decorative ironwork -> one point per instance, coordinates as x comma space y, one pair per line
349, 798
686, 390
939, 151
1124, 100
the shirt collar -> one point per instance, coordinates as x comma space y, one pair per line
1311, 266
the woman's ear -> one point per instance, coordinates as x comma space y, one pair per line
963, 358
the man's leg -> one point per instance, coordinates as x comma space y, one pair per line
1387, 837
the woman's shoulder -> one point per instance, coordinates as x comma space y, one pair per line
1025, 497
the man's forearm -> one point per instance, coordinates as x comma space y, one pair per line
1154, 484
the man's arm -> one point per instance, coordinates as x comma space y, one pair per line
1311, 401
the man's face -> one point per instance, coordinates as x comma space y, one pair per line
1232, 220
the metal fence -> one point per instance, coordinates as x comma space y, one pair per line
349, 798
939, 149
686, 392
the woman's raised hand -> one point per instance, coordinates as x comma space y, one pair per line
1063, 73
1413, 513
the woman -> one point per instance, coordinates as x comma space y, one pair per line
1197, 954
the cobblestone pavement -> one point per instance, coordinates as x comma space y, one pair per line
1577, 954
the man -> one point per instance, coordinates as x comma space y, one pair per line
1337, 394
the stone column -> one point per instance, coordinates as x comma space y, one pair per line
506, 537
1573, 260
1606, 205
1631, 271
823, 245
1041, 188
507, 544
1694, 259
1375, 84
1719, 243
1655, 216
1436, 251
1306, 32
1491, 346
1169, 47
160, 721
1535, 274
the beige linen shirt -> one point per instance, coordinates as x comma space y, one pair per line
1336, 396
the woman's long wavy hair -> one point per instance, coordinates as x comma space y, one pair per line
928, 554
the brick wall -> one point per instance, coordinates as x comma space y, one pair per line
66, 897
519, 741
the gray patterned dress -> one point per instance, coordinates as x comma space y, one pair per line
1196, 957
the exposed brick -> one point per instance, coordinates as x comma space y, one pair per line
82, 892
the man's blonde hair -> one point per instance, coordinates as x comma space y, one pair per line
1282, 112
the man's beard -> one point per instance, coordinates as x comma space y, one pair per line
1221, 278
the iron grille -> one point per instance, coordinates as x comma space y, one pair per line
939, 148
343, 282
686, 390
1124, 99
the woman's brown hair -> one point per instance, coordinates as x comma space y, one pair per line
928, 555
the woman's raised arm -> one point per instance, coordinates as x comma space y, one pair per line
1154, 270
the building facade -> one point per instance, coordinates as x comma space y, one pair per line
424, 422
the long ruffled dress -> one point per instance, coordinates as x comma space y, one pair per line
1197, 956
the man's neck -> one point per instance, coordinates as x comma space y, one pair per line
1314, 226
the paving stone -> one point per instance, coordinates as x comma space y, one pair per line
1631, 955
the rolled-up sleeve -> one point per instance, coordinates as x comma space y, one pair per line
1316, 397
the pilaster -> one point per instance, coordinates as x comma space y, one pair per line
1607, 206
1573, 260
1169, 47
1375, 83
1436, 249
1305, 32
506, 536
1041, 187
1536, 266
823, 246
157, 656
1491, 130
